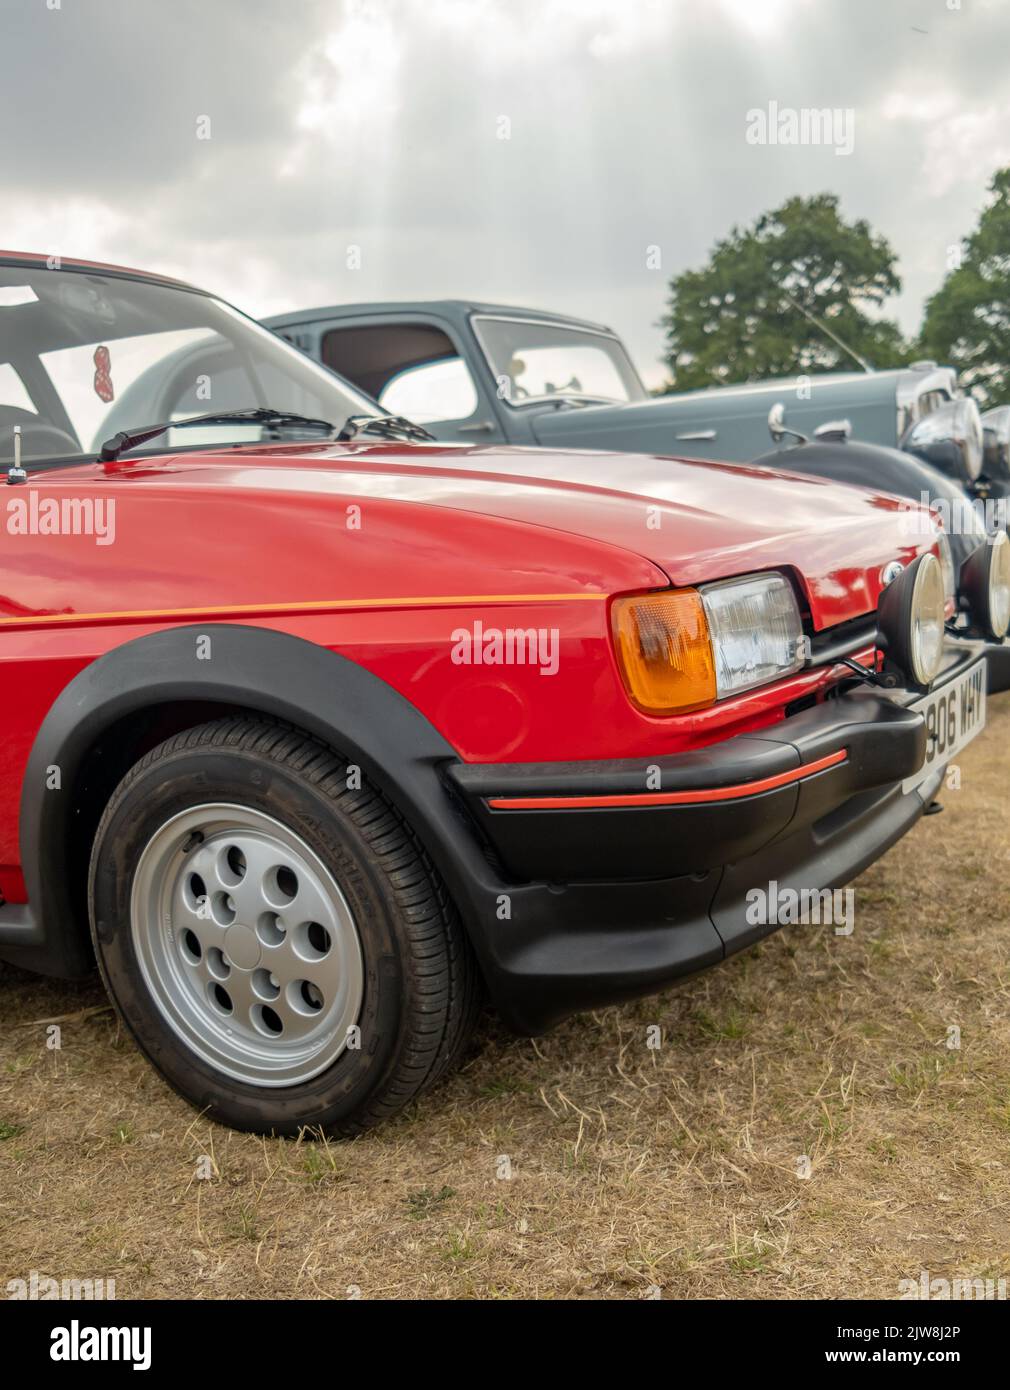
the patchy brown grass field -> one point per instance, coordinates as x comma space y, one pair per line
631, 1169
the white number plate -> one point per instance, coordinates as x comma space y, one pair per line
954, 714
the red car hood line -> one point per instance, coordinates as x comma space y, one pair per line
692, 522
712, 520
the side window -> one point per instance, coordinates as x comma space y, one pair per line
411, 368
434, 391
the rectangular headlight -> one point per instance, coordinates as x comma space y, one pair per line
755, 630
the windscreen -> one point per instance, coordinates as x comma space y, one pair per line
85, 354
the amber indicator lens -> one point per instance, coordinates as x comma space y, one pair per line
664, 651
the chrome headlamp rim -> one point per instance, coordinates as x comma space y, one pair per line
928, 581
950, 438
902, 613
996, 442
985, 586
1000, 573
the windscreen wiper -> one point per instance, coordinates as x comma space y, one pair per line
385, 426
254, 415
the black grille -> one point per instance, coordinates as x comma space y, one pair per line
834, 643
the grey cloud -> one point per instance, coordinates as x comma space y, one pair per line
376, 124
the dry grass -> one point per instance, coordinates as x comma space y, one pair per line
630, 1168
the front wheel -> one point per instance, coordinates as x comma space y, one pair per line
273, 935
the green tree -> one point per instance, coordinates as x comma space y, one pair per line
967, 321
733, 321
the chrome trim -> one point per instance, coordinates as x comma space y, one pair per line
956, 422
547, 323
777, 427
996, 442
834, 430
913, 384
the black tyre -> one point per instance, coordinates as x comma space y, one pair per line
274, 936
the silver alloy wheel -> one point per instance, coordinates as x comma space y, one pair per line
247, 945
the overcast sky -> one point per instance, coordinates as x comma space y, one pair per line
379, 124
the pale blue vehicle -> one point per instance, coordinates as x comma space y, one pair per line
495, 374
491, 373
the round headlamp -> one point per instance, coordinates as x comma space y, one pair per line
985, 586
996, 442
950, 438
910, 620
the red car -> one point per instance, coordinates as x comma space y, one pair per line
315, 731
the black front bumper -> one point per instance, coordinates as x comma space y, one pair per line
997, 657
701, 810
597, 904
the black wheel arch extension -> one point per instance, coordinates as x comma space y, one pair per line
141, 692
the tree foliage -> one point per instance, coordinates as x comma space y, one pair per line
967, 322
732, 321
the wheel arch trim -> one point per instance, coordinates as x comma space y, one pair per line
245, 668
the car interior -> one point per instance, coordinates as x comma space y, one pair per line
372, 355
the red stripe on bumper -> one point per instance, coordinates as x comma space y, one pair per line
578, 803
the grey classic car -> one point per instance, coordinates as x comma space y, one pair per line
495, 373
